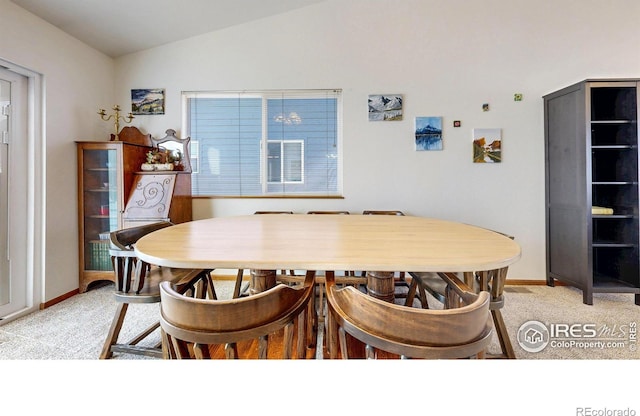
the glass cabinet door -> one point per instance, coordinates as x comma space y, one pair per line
100, 212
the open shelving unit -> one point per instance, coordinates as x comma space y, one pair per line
591, 151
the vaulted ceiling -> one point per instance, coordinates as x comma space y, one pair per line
119, 27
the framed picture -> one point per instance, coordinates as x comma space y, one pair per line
385, 107
428, 133
147, 101
487, 146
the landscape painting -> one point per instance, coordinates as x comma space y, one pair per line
147, 101
487, 146
385, 107
428, 133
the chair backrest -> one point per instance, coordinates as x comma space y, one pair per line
273, 212
190, 326
127, 280
369, 212
410, 332
125, 239
329, 212
138, 281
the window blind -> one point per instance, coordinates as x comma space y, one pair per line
237, 133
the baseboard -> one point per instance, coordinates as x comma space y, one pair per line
522, 282
59, 299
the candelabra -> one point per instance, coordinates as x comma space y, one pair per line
116, 118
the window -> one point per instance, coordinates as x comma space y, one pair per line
264, 143
285, 161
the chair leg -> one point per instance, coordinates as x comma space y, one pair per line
332, 340
503, 335
288, 341
344, 349
300, 344
411, 294
201, 351
237, 288
114, 331
231, 351
263, 347
320, 301
167, 347
311, 323
416, 288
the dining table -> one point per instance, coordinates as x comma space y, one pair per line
381, 245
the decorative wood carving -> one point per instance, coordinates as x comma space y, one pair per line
151, 197
131, 134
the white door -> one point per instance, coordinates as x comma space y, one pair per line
13, 194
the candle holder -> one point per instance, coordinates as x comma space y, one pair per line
116, 118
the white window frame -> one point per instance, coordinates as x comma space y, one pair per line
283, 178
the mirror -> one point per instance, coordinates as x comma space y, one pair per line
178, 149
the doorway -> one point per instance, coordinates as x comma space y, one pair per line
16, 275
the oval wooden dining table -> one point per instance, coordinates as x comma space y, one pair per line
384, 244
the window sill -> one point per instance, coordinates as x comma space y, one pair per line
268, 197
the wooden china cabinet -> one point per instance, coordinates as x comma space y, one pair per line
113, 194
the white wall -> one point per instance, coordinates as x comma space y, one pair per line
78, 80
447, 58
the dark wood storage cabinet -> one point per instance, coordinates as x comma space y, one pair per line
109, 185
591, 151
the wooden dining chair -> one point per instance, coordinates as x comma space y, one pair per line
377, 212
201, 328
138, 282
388, 330
492, 281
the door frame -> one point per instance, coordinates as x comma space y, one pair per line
34, 186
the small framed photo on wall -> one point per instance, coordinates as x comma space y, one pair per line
385, 107
147, 101
487, 145
428, 133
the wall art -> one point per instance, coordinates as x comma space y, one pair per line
147, 101
385, 107
487, 145
428, 133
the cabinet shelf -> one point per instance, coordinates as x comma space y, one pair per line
616, 183
603, 283
612, 122
613, 147
610, 244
